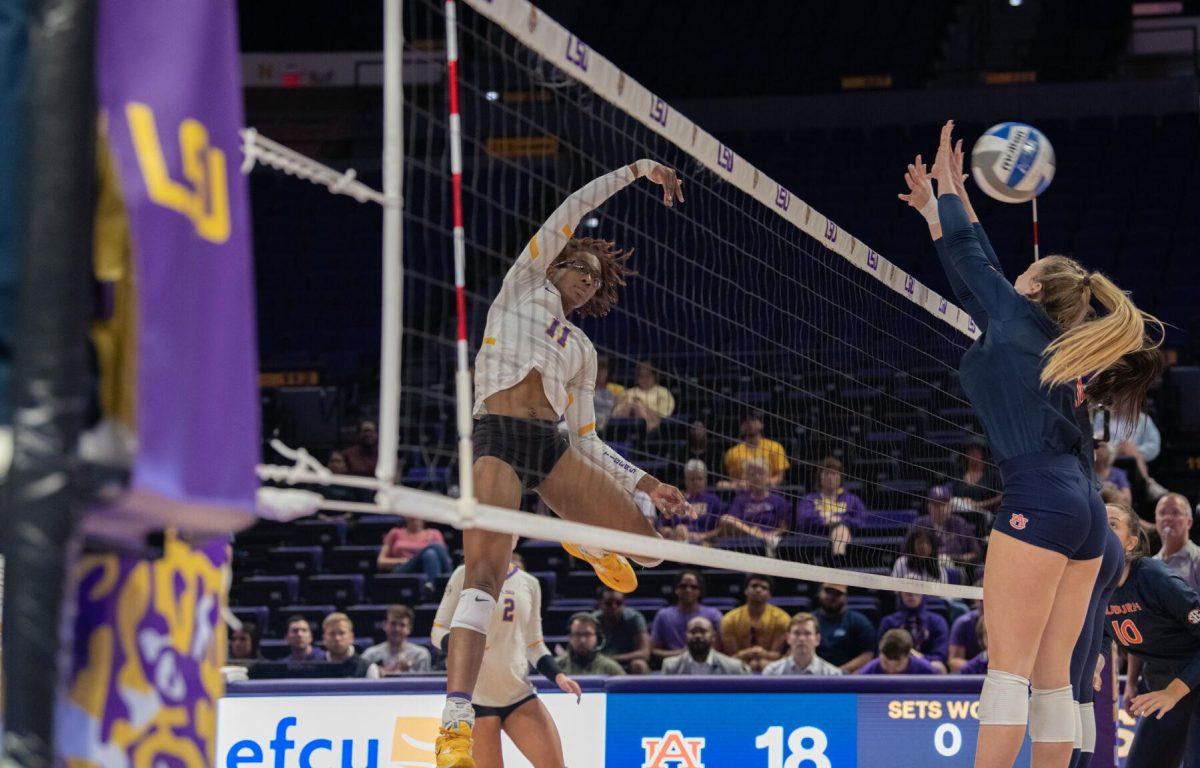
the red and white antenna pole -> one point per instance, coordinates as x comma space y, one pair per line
462, 379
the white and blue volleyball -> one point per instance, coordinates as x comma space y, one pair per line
1013, 162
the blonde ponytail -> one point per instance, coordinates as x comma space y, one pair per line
1088, 347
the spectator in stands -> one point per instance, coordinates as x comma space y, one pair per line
1108, 475
626, 640
847, 637
927, 630
896, 657
338, 633
921, 559
243, 644
978, 664
646, 399
396, 655
978, 485
964, 638
300, 641
605, 398
337, 465
362, 457
831, 509
705, 505
757, 511
955, 536
668, 633
756, 632
700, 446
415, 549
754, 446
1173, 521
582, 656
1137, 444
700, 658
803, 639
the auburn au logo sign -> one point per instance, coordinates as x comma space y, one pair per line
673, 748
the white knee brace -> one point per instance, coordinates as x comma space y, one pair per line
1052, 714
474, 610
1004, 700
1087, 712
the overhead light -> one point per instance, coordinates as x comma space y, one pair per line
1015, 3
491, 95
591, 222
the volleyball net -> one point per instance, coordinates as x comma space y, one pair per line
799, 386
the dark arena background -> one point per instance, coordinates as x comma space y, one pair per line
336, 193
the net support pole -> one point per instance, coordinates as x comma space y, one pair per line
1036, 253
50, 391
462, 377
393, 264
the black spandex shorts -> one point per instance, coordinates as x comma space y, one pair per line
530, 446
502, 712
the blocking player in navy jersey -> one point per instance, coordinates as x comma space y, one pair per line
1155, 616
1040, 334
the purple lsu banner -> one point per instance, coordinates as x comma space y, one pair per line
170, 110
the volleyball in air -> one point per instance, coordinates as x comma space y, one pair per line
1013, 162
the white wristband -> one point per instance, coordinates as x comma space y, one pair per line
930, 211
644, 167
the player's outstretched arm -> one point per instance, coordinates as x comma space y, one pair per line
554, 233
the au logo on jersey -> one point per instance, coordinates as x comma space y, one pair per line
673, 750
1018, 521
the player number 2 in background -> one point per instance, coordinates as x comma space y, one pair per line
805, 747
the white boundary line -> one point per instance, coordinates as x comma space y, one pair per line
437, 508
571, 55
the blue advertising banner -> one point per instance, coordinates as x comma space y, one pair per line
760, 730
793, 730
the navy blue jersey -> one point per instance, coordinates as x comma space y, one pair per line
1001, 371
1155, 615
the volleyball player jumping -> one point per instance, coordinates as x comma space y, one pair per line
1044, 553
535, 367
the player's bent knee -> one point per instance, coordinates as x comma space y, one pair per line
1004, 699
1052, 714
1087, 713
474, 611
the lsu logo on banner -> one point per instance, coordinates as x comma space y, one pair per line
673, 747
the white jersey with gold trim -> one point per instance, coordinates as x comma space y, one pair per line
514, 637
527, 329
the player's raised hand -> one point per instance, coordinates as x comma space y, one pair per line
670, 500
944, 170
920, 186
672, 185
568, 685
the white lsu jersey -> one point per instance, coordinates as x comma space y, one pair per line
527, 329
514, 637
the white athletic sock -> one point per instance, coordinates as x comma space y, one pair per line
457, 710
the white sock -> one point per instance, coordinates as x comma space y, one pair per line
457, 710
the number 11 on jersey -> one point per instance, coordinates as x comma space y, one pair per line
553, 328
